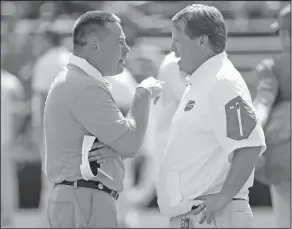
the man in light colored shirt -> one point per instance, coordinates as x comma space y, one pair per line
80, 103
215, 138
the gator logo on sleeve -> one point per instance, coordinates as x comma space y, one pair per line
189, 105
240, 119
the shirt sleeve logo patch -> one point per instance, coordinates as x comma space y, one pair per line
240, 119
189, 105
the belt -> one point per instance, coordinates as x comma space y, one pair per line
196, 206
93, 185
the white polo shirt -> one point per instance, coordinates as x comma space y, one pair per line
215, 117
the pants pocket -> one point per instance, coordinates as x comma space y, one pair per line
242, 220
241, 215
61, 215
60, 209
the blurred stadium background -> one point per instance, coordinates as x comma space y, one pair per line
148, 30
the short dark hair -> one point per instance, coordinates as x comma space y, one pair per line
91, 21
204, 20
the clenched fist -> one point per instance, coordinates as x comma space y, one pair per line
153, 86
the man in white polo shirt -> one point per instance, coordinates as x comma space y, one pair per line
215, 138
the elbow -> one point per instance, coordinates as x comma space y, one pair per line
131, 152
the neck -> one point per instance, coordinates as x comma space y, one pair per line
205, 57
88, 59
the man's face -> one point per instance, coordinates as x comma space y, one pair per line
113, 50
186, 49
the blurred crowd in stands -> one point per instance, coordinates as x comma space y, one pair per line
35, 44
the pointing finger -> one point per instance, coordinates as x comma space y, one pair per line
209, 216
203, 215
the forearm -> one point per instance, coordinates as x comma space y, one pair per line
242, 165
129, 144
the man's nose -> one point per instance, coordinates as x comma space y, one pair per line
127, 48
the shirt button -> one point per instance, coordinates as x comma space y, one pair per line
100, 186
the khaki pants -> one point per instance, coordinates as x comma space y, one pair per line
280, 194
71, 207
237, 214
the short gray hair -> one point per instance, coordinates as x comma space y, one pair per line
204, 20
92, 21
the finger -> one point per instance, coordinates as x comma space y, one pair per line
102, 151
209, 216
99, 161
96, 148
203, 216
96, 152
199, 209
100, 157
95, 158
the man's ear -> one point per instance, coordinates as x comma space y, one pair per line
96, 43
203, 41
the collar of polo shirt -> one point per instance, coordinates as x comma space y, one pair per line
204, 72
88, 68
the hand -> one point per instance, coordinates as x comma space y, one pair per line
101, 152
212, 204
153, 86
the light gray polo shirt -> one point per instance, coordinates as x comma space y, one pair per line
80, 103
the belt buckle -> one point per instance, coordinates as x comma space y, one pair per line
115, 195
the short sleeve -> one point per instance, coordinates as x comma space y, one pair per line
96, 110
233, 119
